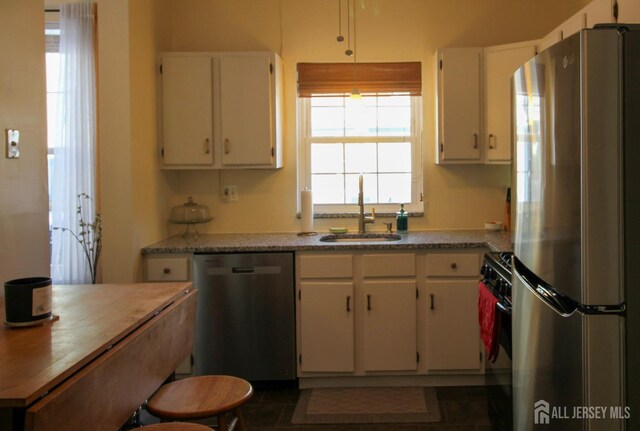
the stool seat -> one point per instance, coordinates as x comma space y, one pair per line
174, 426
199, 397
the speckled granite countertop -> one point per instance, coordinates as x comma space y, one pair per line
265, 242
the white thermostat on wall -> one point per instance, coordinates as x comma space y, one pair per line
13, 144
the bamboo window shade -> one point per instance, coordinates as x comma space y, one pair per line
324, 79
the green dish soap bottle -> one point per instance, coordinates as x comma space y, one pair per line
402, 221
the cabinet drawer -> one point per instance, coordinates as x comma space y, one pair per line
326, 266
453, 265
389, 265
167, 269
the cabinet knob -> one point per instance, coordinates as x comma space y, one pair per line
206, 146
475, 140
166, 270
432, 301
454, 265
492, 139
226, 145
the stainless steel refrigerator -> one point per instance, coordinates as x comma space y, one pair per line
576, 282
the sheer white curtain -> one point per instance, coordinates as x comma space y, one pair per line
74, 160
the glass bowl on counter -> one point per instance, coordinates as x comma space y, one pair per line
190, 213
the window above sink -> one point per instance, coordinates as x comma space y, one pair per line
341, 137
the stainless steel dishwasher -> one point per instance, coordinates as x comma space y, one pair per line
245, 322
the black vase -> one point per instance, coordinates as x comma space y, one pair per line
27, 300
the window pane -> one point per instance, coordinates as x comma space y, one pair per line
52, 119
369, 188
394, 101
394, 157
336, 166
327, 121
53, 71
327, 101
395, 188
327, 158
360, 158
360, 120
394, 121
327, 189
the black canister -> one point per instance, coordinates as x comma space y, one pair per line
27, 300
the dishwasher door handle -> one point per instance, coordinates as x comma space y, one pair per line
243, 270
240, 270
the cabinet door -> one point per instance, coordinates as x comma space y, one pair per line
453, 332
390, 339
247, 111
187, 117
326, 326
500, 63
459, 107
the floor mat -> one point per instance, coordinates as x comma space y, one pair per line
367, 405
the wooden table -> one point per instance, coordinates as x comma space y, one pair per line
112, 347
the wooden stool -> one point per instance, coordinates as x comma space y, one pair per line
174, 426
201, 397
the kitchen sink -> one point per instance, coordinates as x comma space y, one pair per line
360, 237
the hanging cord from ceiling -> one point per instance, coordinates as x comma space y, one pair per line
340, 37
349, 51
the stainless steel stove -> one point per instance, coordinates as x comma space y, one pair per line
496, 275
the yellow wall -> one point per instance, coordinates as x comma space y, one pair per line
150, 186
24, 237
133, 188
460, 197
136, 196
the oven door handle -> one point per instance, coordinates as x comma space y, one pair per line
505, 308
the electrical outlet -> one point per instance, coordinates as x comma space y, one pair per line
230, 193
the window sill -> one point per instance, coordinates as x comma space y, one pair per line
356, 215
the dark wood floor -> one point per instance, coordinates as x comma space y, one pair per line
462, 408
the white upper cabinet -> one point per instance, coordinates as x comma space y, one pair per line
187, 111
500, 62
221, 110
474, 102
459, 77
248, 91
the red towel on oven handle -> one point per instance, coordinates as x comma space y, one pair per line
489, 320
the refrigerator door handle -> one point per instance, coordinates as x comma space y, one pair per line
560, 303
616, 310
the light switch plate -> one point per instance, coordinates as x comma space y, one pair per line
13, 143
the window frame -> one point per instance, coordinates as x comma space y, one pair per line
304, 160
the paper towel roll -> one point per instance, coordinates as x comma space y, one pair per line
306, 210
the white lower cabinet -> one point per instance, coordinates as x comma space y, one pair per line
453, 332
326, 326
375, 314
390, 338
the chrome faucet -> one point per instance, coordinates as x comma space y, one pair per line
362, 219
